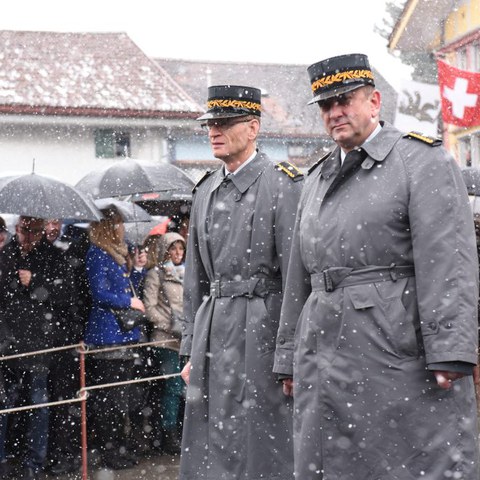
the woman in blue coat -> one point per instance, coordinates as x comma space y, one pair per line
110, 270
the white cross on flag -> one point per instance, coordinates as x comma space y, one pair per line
460, 93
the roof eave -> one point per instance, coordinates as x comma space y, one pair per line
412, 33
95, 112
401, 25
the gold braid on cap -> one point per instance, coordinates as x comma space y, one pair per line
233, 104
340, 77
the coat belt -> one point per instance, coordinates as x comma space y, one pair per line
338, 277
258, 287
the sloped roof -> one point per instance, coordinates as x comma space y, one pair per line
85, 73
286, 91
419, 25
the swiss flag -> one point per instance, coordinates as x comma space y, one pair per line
460, 93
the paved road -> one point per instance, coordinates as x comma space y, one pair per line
158, 467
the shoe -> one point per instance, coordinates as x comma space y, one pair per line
171, 444
131, 457
5, 471
28, 474
118, 462
64, 465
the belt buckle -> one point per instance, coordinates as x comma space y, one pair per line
327, 281
260, 289
215, 288
392, 272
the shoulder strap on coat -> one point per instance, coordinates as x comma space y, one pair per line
202, 179
291, 170
317, 163
432, 141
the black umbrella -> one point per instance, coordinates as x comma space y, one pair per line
471, 177
34, 195
129, 211
129, 177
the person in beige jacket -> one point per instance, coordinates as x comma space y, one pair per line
163, 298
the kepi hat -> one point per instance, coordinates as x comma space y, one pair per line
225, 101
337, 75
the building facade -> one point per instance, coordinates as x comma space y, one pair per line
449, 30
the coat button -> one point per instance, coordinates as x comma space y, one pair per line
281, 340
432, 325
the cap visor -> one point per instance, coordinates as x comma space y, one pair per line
335, 92
212, 115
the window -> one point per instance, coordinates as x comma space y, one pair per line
110, 143
475, 57
462, 59
469, 150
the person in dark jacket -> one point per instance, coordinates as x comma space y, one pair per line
64, 437
34, 289
110, 269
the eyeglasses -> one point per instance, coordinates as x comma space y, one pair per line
223, 123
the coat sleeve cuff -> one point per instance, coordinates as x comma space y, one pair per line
186, 345
283, 364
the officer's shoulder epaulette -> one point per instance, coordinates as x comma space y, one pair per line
202, 179
432, 141
291, 170
317, 163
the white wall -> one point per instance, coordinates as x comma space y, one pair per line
67, 152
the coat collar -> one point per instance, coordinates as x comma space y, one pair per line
246, 176
381, 145
377, 149
330, 165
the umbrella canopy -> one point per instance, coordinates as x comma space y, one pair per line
129, 211
129, 177
34, 195
161, 228
137, 232
471, 176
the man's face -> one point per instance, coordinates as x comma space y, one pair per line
29, 232
52, 229
350, 118
230, 138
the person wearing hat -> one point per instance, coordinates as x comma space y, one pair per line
378, 334
237, 423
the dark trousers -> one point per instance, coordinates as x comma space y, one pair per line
31, 385
108, 408
167, 394
65, 420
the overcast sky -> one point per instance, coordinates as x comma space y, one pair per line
270, 31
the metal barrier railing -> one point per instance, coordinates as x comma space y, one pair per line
82, 394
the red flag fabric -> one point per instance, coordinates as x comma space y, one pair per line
460, 93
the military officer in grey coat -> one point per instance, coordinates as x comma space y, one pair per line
379, 324
238, 425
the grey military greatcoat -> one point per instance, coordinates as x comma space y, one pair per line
238, 424
382, 284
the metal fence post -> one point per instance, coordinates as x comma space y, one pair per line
83, 393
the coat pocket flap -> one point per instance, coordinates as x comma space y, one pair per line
362, 296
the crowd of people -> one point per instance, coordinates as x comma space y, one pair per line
60, 285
